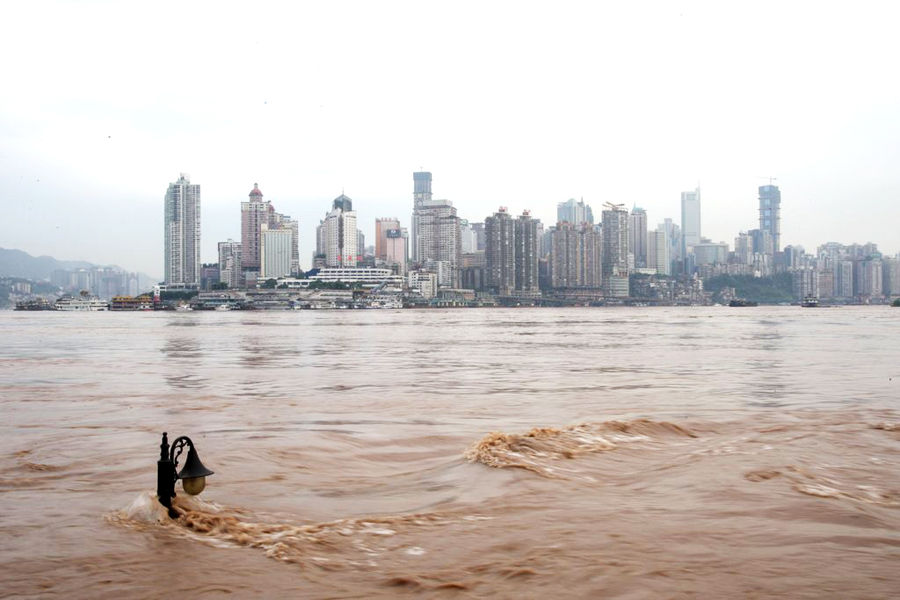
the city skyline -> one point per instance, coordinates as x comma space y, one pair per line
723, 96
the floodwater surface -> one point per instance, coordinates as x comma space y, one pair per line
606, 452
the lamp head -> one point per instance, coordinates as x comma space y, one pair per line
193, 475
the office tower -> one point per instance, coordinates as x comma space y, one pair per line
690, 223
182, 232
637, 239
275, 253
421, 195
574, 212
770, 213
230, 263
526, 254
338, 235
382, 226
396, 249
500, 253
575, 256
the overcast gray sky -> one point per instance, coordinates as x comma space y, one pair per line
518, 104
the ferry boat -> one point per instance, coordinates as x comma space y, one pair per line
35, 304
86, 303
741, 303
810, 302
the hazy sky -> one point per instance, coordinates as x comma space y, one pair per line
518, 104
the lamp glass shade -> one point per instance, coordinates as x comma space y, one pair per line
193, 485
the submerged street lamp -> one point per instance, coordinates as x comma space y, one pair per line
192, 476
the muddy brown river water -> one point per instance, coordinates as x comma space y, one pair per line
510, 453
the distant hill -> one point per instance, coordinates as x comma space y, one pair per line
16, 263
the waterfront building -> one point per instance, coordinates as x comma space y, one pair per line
500, 253
337, 236
256, 213
437, 239
526, 255
805, 283
421, 196
869, 274
891, 276
275, 253
658, 250
182, 232
575, 256
230, 263
690, 224
615, 251
770, 214
574, 212
637, 239
396, 249
382, 226
843, 279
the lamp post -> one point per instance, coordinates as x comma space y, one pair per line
192, 476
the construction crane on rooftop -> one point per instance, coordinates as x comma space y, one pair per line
611, 206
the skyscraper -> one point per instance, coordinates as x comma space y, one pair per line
338, 234
575, 256
500, 253
690, 223
615, 251
770, 213
257, 213
421, 195
526, 255
436, 239
182, 232
637, 240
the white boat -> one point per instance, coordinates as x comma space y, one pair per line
84, 303
223, 307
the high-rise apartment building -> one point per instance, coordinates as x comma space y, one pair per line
396, 249
181, 220
615, 251
575, 256
659, 249
257, 213
574, 212
230, 263
770, 213
526, 255
690, 223
500, 253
